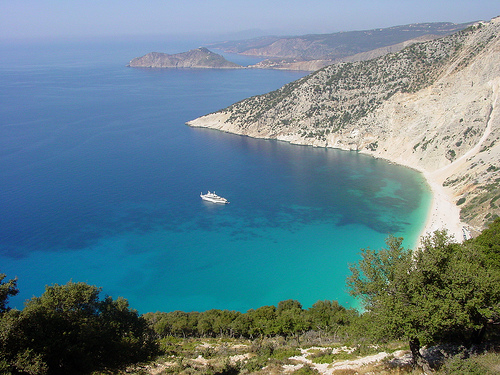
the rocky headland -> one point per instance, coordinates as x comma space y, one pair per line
433, 106
196, 58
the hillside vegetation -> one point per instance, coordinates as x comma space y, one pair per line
428, 106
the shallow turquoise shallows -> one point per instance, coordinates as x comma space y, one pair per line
100, 181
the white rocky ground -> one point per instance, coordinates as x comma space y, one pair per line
354, 364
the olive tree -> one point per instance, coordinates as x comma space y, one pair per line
444, 291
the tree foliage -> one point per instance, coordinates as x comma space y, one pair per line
444, 291
489, 241
7, 289
288, 319
69, 329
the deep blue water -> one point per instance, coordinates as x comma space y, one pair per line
100, 182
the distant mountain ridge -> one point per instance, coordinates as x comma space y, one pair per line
314, 51
196, 58
433, 106
335, 45
307, 52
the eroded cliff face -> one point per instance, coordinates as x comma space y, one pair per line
433, 106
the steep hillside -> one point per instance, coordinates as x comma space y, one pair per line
312, 65
432, 106
196, 58
312, 52
335, 45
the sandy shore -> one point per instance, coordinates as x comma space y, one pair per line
444, 213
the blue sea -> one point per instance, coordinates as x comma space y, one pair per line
100, 181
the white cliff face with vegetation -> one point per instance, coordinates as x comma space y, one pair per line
433, 106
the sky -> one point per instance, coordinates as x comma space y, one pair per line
26, 19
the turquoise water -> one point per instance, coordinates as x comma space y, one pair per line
101, 181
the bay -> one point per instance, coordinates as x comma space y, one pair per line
100, 182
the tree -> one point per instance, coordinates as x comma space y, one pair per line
381, 280
223, 323
290, 319
7, 289
329, 316
263, 321
460, 289
69, 329
443, 291
174, 323
489, 240
241, 325
207, 322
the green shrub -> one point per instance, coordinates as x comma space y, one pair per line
255, 363
285, 353
305, 370
325, 358
470, 366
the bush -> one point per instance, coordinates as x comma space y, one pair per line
470, 366
255, 363
285, 353
70, 330
305, 370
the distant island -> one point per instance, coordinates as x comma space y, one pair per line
196, 58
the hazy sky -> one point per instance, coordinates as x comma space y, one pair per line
69, 18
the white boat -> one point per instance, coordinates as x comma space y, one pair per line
214, 198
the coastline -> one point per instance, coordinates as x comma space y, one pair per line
444, 213
458, 112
